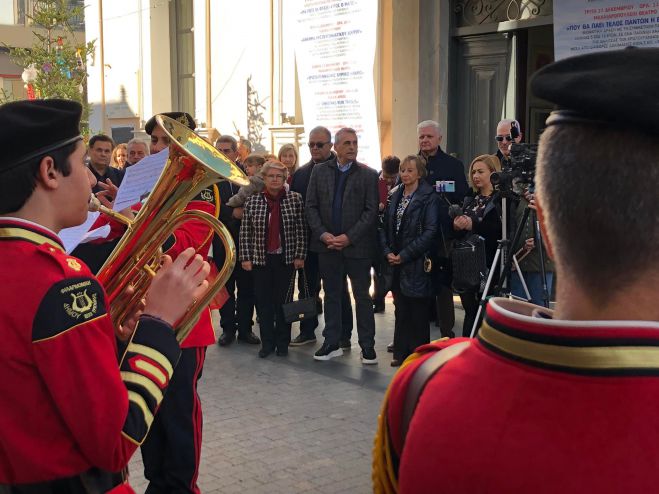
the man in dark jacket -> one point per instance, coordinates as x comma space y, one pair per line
100, 152
320, 146
442, 168
237, 312
341, 209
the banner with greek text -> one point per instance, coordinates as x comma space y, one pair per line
583, 26
335, 52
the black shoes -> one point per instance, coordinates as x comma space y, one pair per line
390, 347
369, 357
226, 339
282, 352
396, 363
327, 352
301, 339
345, 344
378, 306
263, 353
249, 338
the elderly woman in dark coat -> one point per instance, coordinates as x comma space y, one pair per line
273, 243
407, 236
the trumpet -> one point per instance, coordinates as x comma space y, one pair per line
193, 165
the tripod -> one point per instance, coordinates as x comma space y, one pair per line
506, 260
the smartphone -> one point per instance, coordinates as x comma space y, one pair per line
445, 185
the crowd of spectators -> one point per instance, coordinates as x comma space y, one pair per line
341, 222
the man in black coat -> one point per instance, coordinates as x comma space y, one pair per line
442, 168
237, 312
341, 209
320, 146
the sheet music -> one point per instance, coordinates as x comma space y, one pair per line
72, 237
140, 179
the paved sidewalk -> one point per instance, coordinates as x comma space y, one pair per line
290, 424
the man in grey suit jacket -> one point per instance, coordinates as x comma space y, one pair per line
341, 209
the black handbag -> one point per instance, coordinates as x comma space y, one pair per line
469, 264
303, 308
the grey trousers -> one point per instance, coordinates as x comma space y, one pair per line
333, 267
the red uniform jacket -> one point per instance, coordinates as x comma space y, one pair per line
535, 405
69, 402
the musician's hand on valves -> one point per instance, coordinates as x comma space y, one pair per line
246, 265
177, 285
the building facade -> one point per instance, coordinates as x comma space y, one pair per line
464, 63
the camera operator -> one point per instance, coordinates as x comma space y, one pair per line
504, 139
442, 167
480, 216
566, 400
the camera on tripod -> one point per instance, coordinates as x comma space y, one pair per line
520, 168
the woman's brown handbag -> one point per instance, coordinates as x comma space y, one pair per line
303, 308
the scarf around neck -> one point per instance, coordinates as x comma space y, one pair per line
273, 241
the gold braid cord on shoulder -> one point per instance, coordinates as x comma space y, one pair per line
384, 475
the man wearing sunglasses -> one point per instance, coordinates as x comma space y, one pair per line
504, 139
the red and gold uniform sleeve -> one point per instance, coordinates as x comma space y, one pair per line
108, 411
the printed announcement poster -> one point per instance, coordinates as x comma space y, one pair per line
582, 26
335, 51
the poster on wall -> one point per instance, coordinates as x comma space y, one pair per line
583, 26
335, 52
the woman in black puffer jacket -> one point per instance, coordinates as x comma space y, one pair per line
409, 232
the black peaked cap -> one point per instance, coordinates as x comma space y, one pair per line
619, 87
179, 116
32, 128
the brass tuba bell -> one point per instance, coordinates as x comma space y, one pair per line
193, 165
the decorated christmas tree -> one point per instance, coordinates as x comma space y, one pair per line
55, 65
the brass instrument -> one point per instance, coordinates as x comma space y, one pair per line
193, 165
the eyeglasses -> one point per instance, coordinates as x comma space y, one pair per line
501, 138
275, 177
317, 144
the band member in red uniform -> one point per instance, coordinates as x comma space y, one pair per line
171, 452
564, 400
73, 409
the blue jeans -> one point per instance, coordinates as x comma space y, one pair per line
533, 283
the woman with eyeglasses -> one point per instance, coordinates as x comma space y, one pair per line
273, 244
481, 216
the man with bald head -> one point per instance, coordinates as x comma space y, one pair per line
504, 138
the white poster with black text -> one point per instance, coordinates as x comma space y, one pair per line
335, 52
584, 26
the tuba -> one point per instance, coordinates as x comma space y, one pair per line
193, 165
